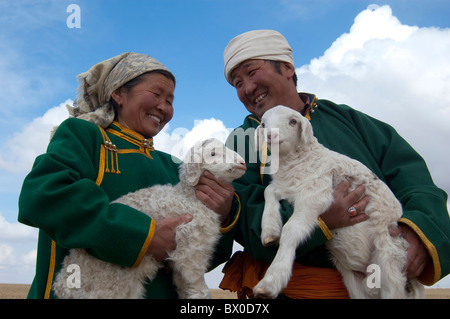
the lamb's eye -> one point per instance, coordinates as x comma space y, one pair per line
293, 122
262, 125
213, 153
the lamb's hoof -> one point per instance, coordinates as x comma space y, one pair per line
261, 293
199, 295
270, 241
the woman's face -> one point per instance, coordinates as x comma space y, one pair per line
147, 106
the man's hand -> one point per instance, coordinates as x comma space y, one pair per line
216, 194
337, 214
418, 258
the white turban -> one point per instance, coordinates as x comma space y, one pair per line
258, 44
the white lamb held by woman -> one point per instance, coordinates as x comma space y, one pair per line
195, 240
306, 177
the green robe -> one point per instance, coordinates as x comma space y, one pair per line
68, 192
381, 149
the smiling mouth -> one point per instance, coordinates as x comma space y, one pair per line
259, 98
157, 119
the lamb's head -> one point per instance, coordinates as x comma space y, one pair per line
284, 128
214, 156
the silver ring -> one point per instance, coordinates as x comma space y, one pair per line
352, 211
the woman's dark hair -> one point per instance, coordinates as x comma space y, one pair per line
132, 83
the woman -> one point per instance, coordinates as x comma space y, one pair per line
101, 153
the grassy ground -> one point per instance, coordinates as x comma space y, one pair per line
12, 291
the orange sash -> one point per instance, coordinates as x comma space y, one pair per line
242, 273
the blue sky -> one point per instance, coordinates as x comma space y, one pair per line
40, 58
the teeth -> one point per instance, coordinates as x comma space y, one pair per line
157, 119
260, 97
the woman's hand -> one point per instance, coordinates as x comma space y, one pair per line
337, 214
216, 194
164, 238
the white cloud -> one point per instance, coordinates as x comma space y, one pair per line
397, 73
15, 232
6, 255
16, 267
179, 140
31, 14
29, 259
371, 24
18, 153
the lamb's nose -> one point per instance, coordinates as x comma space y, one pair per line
241, 165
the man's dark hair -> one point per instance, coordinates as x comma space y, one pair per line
277, 66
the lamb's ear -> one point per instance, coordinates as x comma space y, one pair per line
193, 164
306, 131
193, 173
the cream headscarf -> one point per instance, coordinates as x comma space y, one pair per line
99, 82
258, 44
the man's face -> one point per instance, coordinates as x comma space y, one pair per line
260, 86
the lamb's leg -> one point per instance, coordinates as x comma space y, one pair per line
189, 263
271, 222
390, 256
414, 289
295, 231
189, 278
354, 282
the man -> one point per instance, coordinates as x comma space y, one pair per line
259, 64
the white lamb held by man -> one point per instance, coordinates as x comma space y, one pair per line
306, 177
195, 240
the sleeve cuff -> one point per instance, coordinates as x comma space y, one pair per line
326, 231
226, 229
148, 240
431, 274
